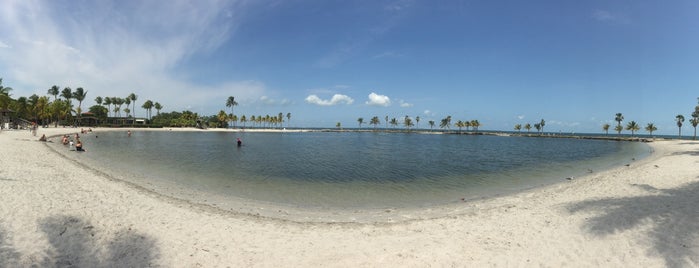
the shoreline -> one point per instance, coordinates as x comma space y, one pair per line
54, 208
242, 206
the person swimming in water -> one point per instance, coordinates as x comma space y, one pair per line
240, 143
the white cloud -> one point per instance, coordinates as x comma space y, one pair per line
378, 100
405, 104
607, 16
118, 49
428, 112
269, 101
520, 117
336, 99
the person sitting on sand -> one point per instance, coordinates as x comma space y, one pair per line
43, 137
79, 146
128, 133
65, 140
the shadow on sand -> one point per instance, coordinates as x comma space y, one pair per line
75, 243
673, 213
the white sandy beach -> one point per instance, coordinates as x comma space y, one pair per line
54, 212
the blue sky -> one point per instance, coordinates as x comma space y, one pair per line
573, 63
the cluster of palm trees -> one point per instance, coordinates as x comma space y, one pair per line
528, 126
45, 111
631, 126
408, 123
694, 121
225, 119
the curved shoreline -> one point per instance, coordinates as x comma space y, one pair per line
234, 205
642, 215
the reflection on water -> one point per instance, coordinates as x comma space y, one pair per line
349, 169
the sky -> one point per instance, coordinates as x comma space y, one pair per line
573, 63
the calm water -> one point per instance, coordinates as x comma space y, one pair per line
348, 169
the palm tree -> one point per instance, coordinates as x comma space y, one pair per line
619, 118
618, 129
528, 127
386, 118
605, 127
107, 101
243, 120
633, 127
408, 122
459, 124
230, 102
147, 105
4, 90
79, 95
133, 99
476, 124
542, 124
431, 123
680, 119
694, 121
157, 107
374, 121
338, 125
67, 94
538, 127
54, 90
127, 101
361, 121
288, 119
394, 122
650, 128
222, 118
446, 122
417, 122
518, 127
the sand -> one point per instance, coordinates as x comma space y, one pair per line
54, 212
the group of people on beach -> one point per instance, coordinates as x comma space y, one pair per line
67, 141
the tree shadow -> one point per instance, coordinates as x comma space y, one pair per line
75, 243
8, 255
693, 153
673, 213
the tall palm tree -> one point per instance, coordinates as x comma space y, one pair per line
633, 127
108, 102
288, 119
542, 124
417, 122
157, 107
386, 118
538, 127
528, 127
394, 122
605, 127
243, 120
360, 121
67, 94
127, 101
619, 118
518, 127
680, 119
230, 102
431, 123
133, 99
54, 90
650, 128
79, 95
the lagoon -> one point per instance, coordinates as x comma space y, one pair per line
344, 170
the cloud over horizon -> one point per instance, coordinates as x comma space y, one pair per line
336, 99
378, 100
